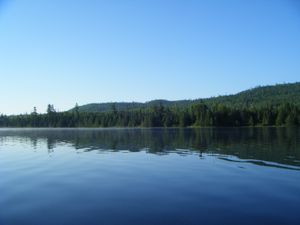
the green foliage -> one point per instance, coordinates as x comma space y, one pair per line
260, 96
264, 106
256, 97
199, 115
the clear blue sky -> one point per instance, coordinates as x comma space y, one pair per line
62, 52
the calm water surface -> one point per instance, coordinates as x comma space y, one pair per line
149, 176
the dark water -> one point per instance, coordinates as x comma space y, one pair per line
150, 176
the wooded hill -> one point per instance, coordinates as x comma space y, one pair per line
277, 105
255, 97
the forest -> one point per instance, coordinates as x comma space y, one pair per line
254, 97
196, 115
274, 105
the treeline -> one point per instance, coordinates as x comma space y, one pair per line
199, 115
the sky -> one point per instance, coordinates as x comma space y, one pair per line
65, 52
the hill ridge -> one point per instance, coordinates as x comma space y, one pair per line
257, 96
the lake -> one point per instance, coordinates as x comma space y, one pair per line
150, 176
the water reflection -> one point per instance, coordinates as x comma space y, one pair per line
280, 146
